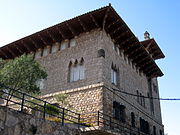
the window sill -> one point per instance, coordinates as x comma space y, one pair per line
76, 81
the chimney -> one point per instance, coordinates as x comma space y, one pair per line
146, 35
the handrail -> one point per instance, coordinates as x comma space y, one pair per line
23, 100
109, 123
88, 119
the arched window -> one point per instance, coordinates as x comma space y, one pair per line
119, 111
132, 119
76, 71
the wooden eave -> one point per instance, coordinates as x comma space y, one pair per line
153, 48
105, 19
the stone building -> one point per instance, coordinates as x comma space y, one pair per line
108, 73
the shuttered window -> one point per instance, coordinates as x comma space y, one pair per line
113, 76
77, 72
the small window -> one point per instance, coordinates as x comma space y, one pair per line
101, 53
46, 51
40, 84
114, 76
38, 54
72, 42
55, 47
63, 45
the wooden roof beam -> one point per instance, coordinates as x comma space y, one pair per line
113, 23
154, 52
139, 62
94, 20
60, 33
117, 29
105, 17
4, 54
124, 42
34, 43
132, 49
82, 24
140, 54
11, 52
148, 46
70, 28
151, 73
50, 35
146, 65
18, 48
129, 47
137, 56
26, 46
122, 34
42, 39
156, 55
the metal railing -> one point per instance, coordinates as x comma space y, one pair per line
108, 122
29, 104
22, 102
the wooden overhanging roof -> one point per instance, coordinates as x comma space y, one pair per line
153, 48
105, 18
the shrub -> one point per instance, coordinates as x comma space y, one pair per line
52, 110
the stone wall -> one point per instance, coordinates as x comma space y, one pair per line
57, 63
17, 123
130, 79
109, 95
84, 100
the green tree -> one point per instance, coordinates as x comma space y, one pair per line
21, 73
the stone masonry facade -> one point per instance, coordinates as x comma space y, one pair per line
98, 70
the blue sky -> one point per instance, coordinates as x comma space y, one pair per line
161, 18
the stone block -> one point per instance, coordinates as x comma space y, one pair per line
11, 120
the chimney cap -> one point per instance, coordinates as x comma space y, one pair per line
146, 35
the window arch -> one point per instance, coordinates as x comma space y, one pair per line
76, 70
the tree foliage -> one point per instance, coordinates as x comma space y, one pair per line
21, 73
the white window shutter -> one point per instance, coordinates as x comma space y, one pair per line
115, 77
63, 45
76, 73
71, 74
81, 71
112, 76
55, 47
72, 42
